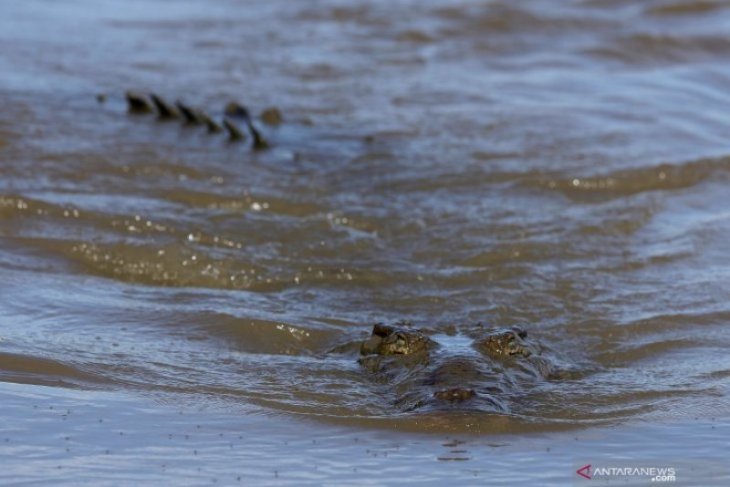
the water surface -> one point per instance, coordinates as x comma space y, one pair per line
559, 167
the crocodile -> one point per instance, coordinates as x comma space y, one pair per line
481, 370
234, 113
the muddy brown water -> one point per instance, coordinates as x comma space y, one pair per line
559, 166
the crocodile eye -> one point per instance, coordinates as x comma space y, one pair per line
521, 333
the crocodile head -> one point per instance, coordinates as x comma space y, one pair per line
389, 340
506, 343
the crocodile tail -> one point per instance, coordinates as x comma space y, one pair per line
137, 103
259, 142
164, 109
234, 133
236, 110
190, 114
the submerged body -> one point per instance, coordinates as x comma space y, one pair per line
453, 372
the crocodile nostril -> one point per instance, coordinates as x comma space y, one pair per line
456, 394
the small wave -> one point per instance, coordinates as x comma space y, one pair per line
652, 49
687, 8
175, 265
636, 351
257, 336
664, 177
169, 265
13, 205
244, 202
503, 17
518, 252
24, 369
